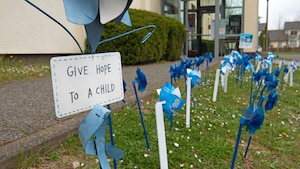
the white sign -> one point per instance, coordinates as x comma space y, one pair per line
82, 81
245, 40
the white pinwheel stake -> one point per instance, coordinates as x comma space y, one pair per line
193, 79
215, 94
169, 101
293, 66
142, 83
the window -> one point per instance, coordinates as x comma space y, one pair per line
293, 43
294, 32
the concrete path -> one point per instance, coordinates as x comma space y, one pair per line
27, 111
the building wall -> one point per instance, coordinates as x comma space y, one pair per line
251, 22
149, 5
25, 30
275, 44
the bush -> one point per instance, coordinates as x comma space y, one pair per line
164, 44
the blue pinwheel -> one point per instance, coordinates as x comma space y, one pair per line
92, 136
198, 61
208, 58
186, 63
227, 64
176, 71
257, 57
243, 64
195, 76
93, 14
172, 97
142, 84
294, 65
254, 115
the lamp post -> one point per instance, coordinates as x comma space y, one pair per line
266, 31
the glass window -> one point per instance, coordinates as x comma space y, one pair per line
171, 8
234, 3
294, 32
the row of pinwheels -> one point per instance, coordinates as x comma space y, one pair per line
180, 69
262, 99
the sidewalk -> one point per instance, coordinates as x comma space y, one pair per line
27, 111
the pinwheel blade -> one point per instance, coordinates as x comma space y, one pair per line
106, 12
172, 97
141, 80
94, 32
126, 19
81, 11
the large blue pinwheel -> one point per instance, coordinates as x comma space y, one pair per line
254, 115
92, 136
141, 80
172, 97
93, 14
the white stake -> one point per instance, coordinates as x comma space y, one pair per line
258, 66
226, 80
216, 85
291, 76
270, 68
161, 135
188, 101
286, 76
222, 76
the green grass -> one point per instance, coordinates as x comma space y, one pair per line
209, 142
287, 53
12, 69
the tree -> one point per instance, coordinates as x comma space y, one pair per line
262, 39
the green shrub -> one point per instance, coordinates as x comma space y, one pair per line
164, 44
176, 37
208, 46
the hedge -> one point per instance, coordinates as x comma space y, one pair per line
164, 44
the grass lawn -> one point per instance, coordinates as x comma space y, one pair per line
208, 143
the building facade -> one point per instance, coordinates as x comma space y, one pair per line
25, 30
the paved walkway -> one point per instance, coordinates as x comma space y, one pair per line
27, 111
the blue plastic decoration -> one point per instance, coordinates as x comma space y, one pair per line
254, 115
257, 57
185, 63
294, 65
208, 58
242, 63
227, 64
195, 76
93, 14
142, 84
271, 57
92, 136
172, 97
198, 61
176, 71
